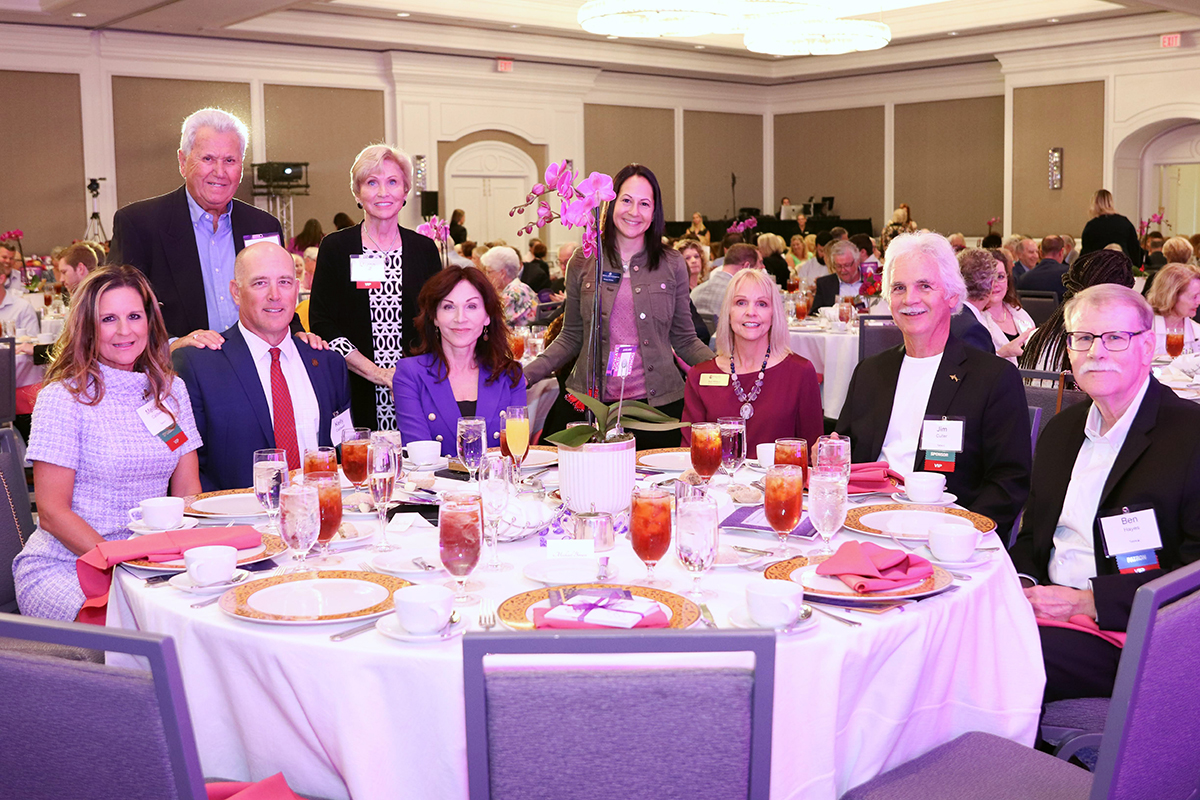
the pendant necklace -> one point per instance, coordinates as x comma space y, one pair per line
371, 239
747, 409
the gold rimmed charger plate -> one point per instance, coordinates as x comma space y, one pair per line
272, 546
854, 519
514, 612
783, 570
236, 601
540, 461
641, 456
191, 510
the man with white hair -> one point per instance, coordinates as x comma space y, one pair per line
185, 241
934, 404
844, 257
1116, 497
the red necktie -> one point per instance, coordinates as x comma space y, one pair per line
285, 418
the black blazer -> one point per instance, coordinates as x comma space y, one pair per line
157, 237
231, 410
970, 330
1112, 229
825, 291
991, 475
776, 265
340, 310
1159, 465
1045, 277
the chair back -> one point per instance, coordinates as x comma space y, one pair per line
877, 333
1048, 392
1149, 747
16, 519
8, 380
629, 724
1035, 425
1039, 305
547, 311
77, 729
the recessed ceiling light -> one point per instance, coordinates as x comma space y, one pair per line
1052, 19
614, 37
952, 33
699, 47
402, 14
514, 26
78, 14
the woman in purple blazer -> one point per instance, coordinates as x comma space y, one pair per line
462, 365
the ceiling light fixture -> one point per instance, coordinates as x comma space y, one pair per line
78, 14
653, 18
403, 14
818, 38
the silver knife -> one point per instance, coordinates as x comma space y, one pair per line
355, 631
707, 616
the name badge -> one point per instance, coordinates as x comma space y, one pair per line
161, 425
714, 379
610, 276
942, 434
367, 272
620, 360
570, 548
340, 426
1131, 537
255, 238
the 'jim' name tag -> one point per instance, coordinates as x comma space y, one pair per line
367, 272
942, 434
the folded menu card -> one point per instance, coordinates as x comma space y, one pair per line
867, 567
755, 518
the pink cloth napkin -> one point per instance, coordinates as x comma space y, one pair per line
1082, 622
272, 788
867, 567
94, 568
874, 477
657, 619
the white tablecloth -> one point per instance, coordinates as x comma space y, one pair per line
834, 354
372, 718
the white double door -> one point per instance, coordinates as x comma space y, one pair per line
487, 180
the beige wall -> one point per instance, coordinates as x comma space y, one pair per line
147, 115
43, 194
537, 152
1070, 116
615, 136
951, 182
837, 153
327, 128
715, 145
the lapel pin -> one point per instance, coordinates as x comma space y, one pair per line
954, 378
315, 364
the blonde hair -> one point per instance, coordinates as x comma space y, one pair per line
1177, 250
1102, 203
371, 158
763, 281
773, 243
803, 245
1170, 282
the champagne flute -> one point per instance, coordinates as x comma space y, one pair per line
354, 457
472, 440
270, 477
383, 459
733, 444
300, 522
516, 433
459, 538
650, 531
329, 496
706, 449
783, 502
495, 484
696, 540
827, 504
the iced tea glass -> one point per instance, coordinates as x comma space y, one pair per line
460, 538
320, 459
706, 449
784, 502
793, 451
1175, 338
329, 495
354, 457
650, 530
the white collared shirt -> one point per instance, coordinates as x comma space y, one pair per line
908, 412
849, 289
304, 400
1073, 559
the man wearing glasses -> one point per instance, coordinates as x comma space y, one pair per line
934, 404
1116, 493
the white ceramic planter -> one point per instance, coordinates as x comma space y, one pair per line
597, 476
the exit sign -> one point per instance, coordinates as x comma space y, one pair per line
505, 64
1170, 40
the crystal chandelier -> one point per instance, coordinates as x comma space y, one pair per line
828, 37
650, 18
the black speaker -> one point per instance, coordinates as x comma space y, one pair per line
429, 204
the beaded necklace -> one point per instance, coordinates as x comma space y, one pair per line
747, 401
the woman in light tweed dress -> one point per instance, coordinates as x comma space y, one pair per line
93, 452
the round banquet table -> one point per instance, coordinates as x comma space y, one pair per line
833, 353
374, 718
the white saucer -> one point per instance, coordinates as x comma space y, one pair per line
389, 626
560, 571
753, 464
184, 583
140, 529
948, 499
727, 558
977, 559
740, 618
400, 562
441, 463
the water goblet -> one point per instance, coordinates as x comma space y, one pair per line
320, 459
354, 457
270, 476
329, 495
833, 452
827, 504
792, 451
472, 442
733, 444
383, 465
300, 522
495, 487
696, 540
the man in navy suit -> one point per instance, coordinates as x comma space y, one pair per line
185, 241
263, 388
1048, 274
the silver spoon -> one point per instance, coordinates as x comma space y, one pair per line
806, 611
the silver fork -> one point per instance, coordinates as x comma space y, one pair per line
487, 615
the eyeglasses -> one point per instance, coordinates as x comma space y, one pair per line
1113, 341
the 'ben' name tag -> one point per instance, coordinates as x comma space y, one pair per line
1132, 538
161, 425
714, 379
620, 360
942, 434
255, 238
367, 272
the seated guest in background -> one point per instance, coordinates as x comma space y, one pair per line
696, 261
837, 233
310, 236
755, 375
74, 264
867, 260
95, 443
1046, 348
1175, 297
957, 241
1047, 276
310, 266
698, 229
935, 385
1194, 241
992, 242
1025, 257
1010, 244
462, 365
978, 269
727, 241
823, 239
846, 280
8, 260
771, 247
1004, 317
1134, 451
1069, 252
558, 275
708, 297
502, 266
341, 221
1177, 250
1154, 255
20, 313
796, 255
536, 272
264, 388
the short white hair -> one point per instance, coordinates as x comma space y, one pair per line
1105, 295
932, 247
311, 253
219, 120
502, 259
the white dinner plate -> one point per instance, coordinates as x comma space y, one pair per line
561, 571
139, 528
400, 562
389, 625
947, 499
830, 587
318, 598
740, 618
536, 459
674, 461
228, 506
910, 524
441, 463
184, 583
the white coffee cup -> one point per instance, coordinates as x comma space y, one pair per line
159, 513
774, 604
426, 451
210, 564
424, 608
46, 338
766, 454
925, 487
953, 542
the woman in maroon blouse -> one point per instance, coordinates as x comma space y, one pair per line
755, 375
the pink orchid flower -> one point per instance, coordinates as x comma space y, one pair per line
598, 185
